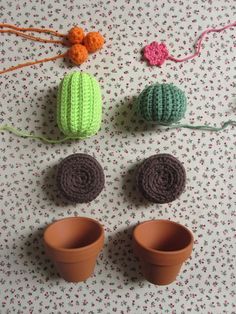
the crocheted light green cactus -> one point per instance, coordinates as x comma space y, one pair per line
162, 103
79, 105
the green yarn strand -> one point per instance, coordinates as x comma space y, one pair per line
71, 138
42, 138
205, 127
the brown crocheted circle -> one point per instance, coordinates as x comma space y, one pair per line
161, 178
80, 178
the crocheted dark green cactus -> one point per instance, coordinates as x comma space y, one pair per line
162, 103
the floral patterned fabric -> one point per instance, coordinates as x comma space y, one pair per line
28, 194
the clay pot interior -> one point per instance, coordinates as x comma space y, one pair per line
163, 236
72, 233
162, 247
73, 244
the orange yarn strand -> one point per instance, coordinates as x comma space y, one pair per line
58, 42
33, 29
77, 53
19, 31
19, 66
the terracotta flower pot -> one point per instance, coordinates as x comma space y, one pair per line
162, 246
73, 245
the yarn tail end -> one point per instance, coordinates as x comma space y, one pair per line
42, 138
201, 127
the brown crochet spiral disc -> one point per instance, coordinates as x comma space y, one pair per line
80, 178
161, 178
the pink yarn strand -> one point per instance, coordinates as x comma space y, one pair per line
198, 46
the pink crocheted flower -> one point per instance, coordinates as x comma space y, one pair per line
155, 53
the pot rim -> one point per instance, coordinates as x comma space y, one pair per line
161, 252
79, 249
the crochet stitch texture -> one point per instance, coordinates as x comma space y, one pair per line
161, 178
93, 41
78, 54
80, 178
75, 35
162, 103
156, 53
79, 105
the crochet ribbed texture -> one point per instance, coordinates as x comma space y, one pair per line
79, 105
161, 178
80, 108
162, 103
80, 178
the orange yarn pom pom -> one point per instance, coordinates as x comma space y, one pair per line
75, 35
93, 41
77, 54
